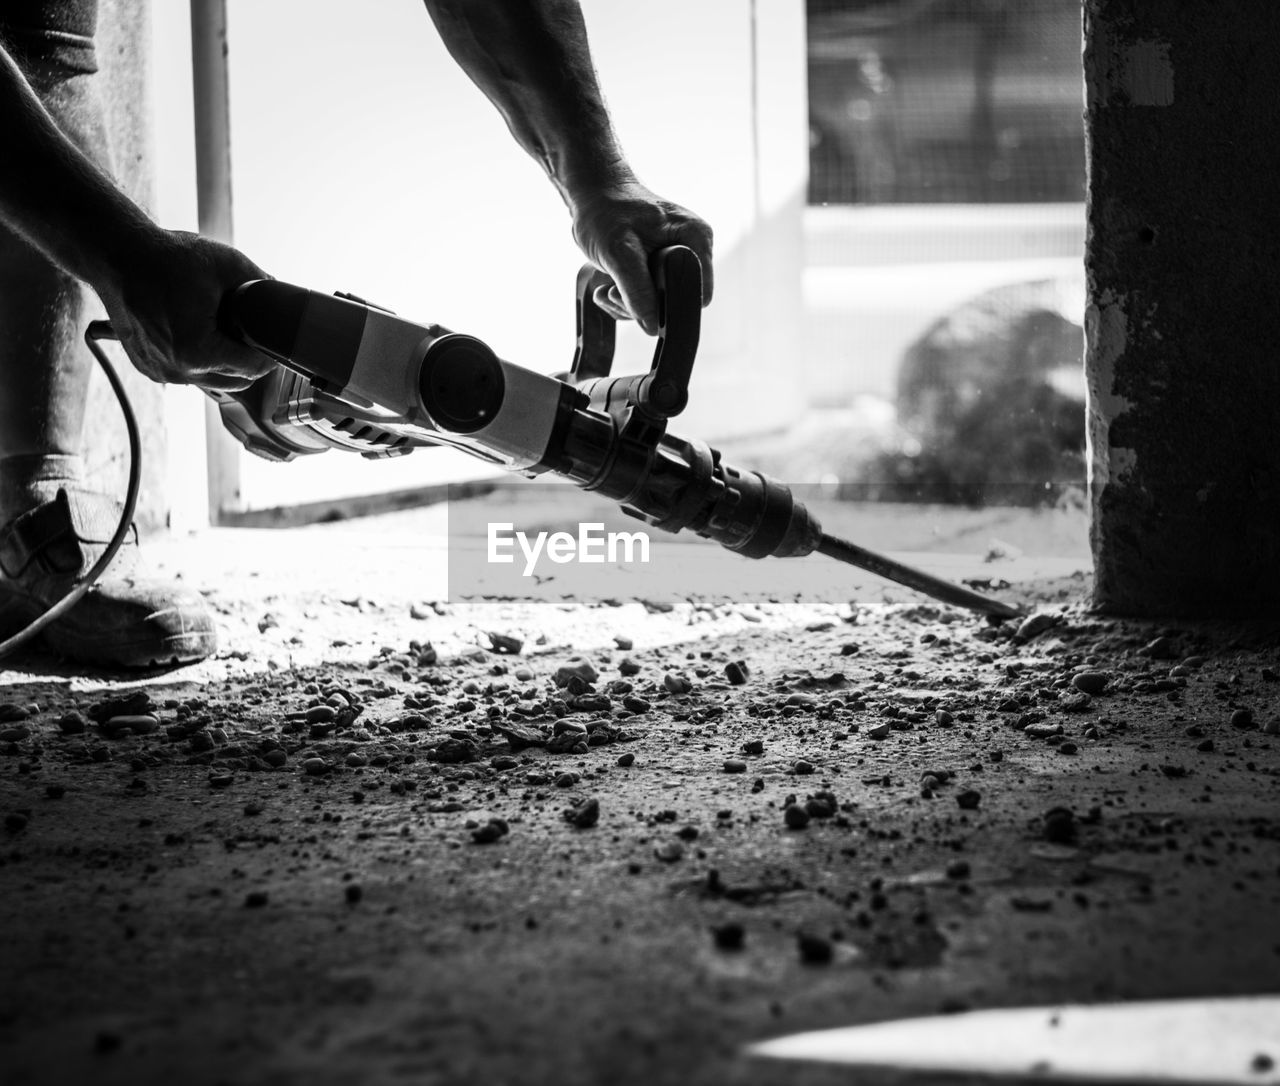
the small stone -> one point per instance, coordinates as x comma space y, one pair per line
134, 724
455, 751
958, 869
54, 791
729, 936
676, 684
968, 800
753, 747
275, 758
625, 760
1161, 648
814, 949
636, 705
1059, 825
1205, 746
995, 756
1035, 625
628, 667
669, 852
490, 832
1261, 1063
15, 734
585, 815
9, 712
72, 723
255, 899
795, 816
1272, 726
505, 643
353, 892
737, 672
314, 767
943, 719
220, 780
355, 760
850, 648
503, 762
624, 644
735, 765
1091, 682
567, 780
820, 806
321, 714
1243, 719
15, 821
582, 669
1068, 748
427, 655
880, 731
801, 768
1042, 730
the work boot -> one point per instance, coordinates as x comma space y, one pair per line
52, 530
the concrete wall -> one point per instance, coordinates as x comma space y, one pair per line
1183, 321
364, 160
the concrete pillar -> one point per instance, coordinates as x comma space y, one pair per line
1183, 320
123, 42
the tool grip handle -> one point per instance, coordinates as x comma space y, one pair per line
664, 391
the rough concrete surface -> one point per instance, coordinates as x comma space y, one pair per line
371, 842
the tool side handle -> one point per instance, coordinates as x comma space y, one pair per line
664, 391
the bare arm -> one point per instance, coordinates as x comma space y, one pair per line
531, 59
161, 289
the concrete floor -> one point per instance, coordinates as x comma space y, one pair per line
173, 907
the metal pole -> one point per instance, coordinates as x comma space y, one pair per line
213, 195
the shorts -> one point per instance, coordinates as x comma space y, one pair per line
51, 34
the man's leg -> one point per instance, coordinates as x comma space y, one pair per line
51, 528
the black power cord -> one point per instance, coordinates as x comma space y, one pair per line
97, 330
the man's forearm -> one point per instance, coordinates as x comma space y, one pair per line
530, 58
55, 196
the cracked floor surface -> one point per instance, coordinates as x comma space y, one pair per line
359, 846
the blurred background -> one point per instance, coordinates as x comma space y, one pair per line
896, 187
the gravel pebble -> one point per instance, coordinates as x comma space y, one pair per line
72, 723
814, 949
735, 765
669, 852
625, 760
585, 815
1243, 719
737, 672
1059, 825
1035, 625
969, 799
676, 684
802, 768
729, 936
795, 816
505, 644
1091, 682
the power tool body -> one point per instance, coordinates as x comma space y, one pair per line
357, 377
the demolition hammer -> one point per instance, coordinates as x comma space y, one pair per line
354, 376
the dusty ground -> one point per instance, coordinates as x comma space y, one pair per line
335, 855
